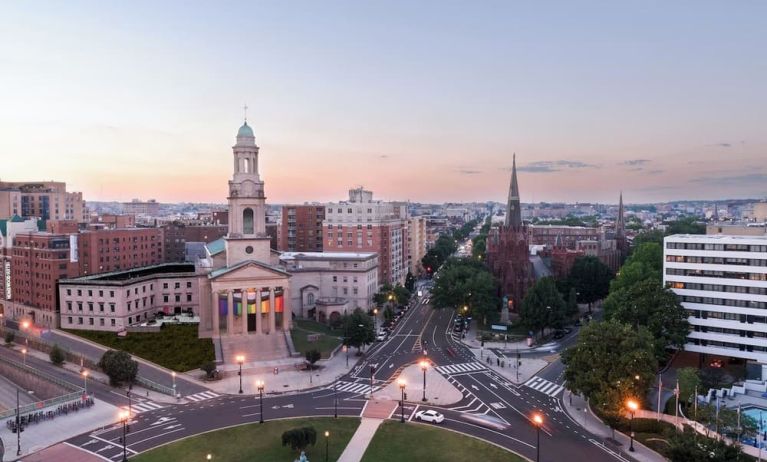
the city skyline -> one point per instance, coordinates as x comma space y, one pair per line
427, 106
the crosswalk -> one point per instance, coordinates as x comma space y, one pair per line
460, 368
202, 396
544, 386
144, 406
354, 387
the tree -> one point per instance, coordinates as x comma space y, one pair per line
56, 355
571, 307
467, 282
10, 336
299, 438
611, 362
590, 278
542, 306
444, 247
401, 294
687, 446
358, 329
312, 356
409, 281
688, 382
209, 368
119, 366
654, 235
686, 225
726, 420
649, 304
646, 262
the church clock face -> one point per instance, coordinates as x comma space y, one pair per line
249, 249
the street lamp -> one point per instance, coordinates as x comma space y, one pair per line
209, 457
327, 439
335, 398
240, 359
24, 325
424, 366
24, 355
85, 381
375, 320
124, 416
260, 387
18, 422
401, 383
633, 406
346, 350
173, 376
538, 421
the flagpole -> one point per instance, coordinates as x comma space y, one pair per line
660, 386
676, 392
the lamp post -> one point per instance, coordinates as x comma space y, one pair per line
124, 416
335, 398
346, 350
401, 383
130, 405
173, 377
24, 355
18, 422
240, 359
327, 444
260, 387
375, 320
85, 381
538, 420
209, 457
633, 406
424, 366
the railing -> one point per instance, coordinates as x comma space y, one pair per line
43, 375
40, 405
146, 383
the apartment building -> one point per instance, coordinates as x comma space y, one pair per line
301, 228
47, 200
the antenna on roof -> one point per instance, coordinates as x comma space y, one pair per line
245, 112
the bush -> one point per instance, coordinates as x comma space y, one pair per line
312, 356
299, 438
9, 337
119, 366
209, 368
56, 355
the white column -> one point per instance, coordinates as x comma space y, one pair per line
214, 312
258, 312
230, 312
271, 310
287, 311
244, 312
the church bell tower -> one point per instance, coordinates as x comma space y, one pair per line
247, 238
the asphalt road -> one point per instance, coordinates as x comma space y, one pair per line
423, 331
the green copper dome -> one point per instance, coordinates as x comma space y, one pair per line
245, 130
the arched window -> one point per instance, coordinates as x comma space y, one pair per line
310, 299
247, 221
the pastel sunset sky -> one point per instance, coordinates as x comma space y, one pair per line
418, 100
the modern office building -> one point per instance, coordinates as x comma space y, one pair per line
137, 207
722, 282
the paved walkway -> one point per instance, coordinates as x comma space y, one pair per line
578, 410
360, 440
439, 391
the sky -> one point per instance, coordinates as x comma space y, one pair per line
415, 100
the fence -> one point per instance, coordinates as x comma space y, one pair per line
160, 388
75, 391
46, 346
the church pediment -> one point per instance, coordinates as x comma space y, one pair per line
248, 270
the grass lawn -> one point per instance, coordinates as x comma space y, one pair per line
398, 442
257, 442
175, 347
328, 340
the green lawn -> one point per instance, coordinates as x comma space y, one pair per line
397, 442
175, 347
328, 340
257, 442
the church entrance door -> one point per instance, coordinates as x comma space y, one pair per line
252, 322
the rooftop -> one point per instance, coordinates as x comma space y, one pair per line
718, 237
327, 255
135, 273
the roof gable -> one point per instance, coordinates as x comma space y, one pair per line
249, 269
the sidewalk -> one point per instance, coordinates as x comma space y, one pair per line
360, 440
577, 408
439, 391
287, 378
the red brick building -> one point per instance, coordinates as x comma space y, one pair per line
301, 228
176, 235
38, 261
104, 250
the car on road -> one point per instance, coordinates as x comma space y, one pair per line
486, 421
559, 334
381, 337
430, 416
458, 328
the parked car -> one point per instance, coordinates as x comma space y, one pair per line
458, 328
430, 416
381, 337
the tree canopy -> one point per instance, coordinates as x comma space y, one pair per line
444, 247
118, 366
466, 282
358, 329
687, 446
590, 278
650, 305
299, 438
610, 363
646, 262
686, 225
543, 306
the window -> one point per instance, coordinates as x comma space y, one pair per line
335, 278
90, 321
79, 292
165, 298
101, 293
112, 322
69, 306
111, 307
90, 293
69, 319
79, 320
101, 307
69, 291
247, 221
101, 322
164, 285
111, 294
188, 297
177, 285
178, 298
79, 306
188, 284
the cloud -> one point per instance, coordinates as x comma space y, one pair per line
469, 172
554, 166
383, 156
750, 178
634, 162
721, 145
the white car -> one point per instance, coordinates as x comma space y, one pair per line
381, 337
430, 416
